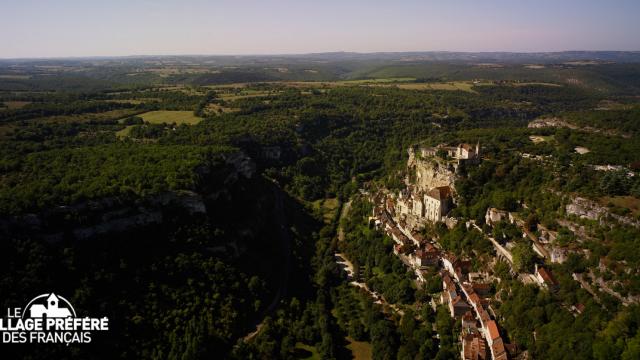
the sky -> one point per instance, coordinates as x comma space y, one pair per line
71, 28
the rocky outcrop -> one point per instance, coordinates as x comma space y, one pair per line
89, 219
243, 164
494, 215
550, 122
587, 209
430, 172
118, 225
429, 192
560, 123
113, 215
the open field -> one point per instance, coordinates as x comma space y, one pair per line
163, 117
167, 71
232, 97
124, 132
377, 81
5, 130
240, 92
466, 86
306, 352
169, 117
134, 101
213, 109
449, 86
361, 350
401, 83
327, 208
606, 105
406, 83
15, 104
536, 84
15, 77
625, 202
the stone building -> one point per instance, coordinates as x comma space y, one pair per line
461, 152
437, 203
474, 346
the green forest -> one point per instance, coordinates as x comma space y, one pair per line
213, 238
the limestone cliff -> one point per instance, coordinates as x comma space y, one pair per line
112, 216
429, 172
591, 210
429, 192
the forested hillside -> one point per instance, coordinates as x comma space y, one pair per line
201, 209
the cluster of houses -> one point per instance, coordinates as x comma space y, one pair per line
415, 251
465, 295
480, 337
432, 205
474, 347
432, 199
540, 245
545, 242
468, 301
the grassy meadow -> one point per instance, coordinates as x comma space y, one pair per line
170, 117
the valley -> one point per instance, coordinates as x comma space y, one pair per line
334, 206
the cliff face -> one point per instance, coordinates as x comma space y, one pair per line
229, 240
430, 172
425, 176
585, 209
588, 209
114, 216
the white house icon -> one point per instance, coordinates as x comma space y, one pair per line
51, 309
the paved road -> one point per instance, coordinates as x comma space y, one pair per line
347, 266
585, 285
343, 213
499, 248
534, 238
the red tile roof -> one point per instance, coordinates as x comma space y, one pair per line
447, 280
417, 236
474, 347
450, 258
466, 146
499, 351
422, 254
440, 192
468, 316
546, 276
480, 287
475, 299
484, 316
458, 301
492, 328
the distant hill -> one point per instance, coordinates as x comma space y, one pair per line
510, 57
600, 71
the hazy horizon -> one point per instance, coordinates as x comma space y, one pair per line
312, 53
74, 28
